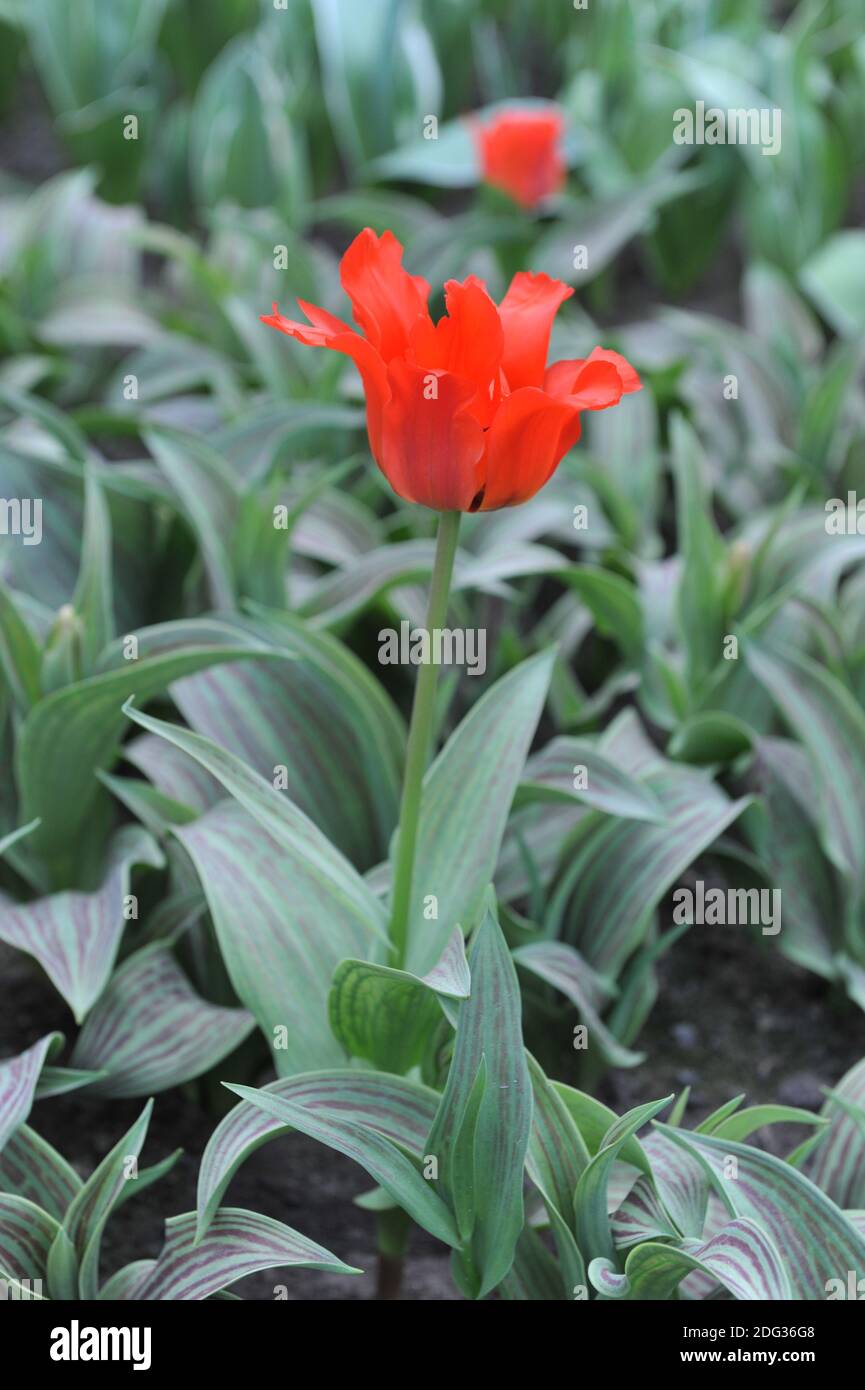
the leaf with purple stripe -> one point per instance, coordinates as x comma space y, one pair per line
76, 731
283, 925
322, 717
838, 1167
27, 1234
621, 869
377, 1155
467, 795
238, 1243
550, 776
489, 1035
561, 966
818, 1241
741, 1258
31, 1167
18, 1078
399, 1109
831, 725
150, 1030
77, 1246
75, 936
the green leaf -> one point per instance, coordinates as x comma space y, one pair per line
386, 1015
564, 968
30, 1167
838, 1168
141, 1049
574, 769
614, 605
818, 1241
831, 725
75, 732
467, 794
27, 1234
322, 717
834, 277
378, 1156
740, 1257
20, 655
238, 1243
90, 1209
594, 1235
76, 936
489, 1029
18, 1079
286, 908
399, 1109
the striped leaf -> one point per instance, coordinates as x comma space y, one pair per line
378, 1156
387, 1015
30, 1167
558, 772
467, 794
831, 725
322, 717
150, 1030
282, 921
787, 840
622, 869
26, 1236
489, 1034
316, 866
741, 1258
680, 1182
18, 1078
238, 1243
173, 773
399, 1109
818, 1241
594, 1233
641, 1217
73, 733
76, 936
838, 1167
564, 968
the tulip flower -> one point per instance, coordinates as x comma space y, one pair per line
519, 152
463, 415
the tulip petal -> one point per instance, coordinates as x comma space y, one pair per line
431, 444
527, 312
529, 436
325, 330
599, 380
385, 299
630, 379
467, 342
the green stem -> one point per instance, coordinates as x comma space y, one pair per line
419, 739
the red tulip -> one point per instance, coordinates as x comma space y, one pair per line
463, 414
519, 152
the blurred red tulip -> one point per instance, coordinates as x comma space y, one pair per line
520, 152
464, 414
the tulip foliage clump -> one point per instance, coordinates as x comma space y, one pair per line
386, 730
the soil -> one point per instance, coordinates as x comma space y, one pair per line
730, 1017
